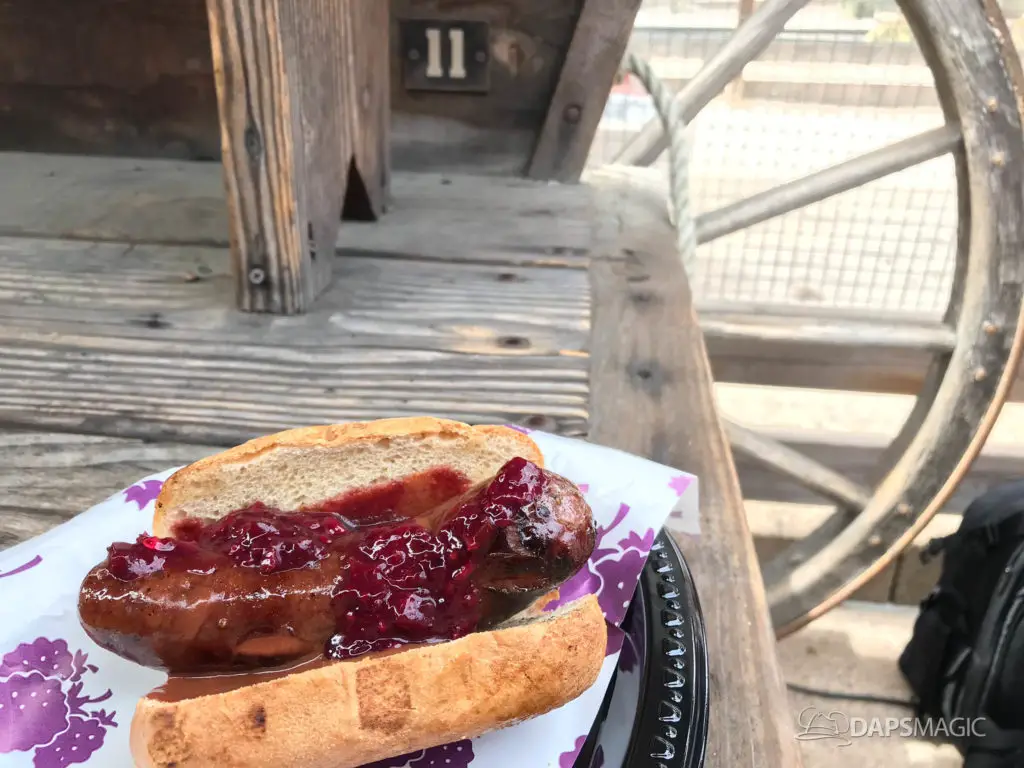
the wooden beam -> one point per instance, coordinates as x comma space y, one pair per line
651, 394
289, 103
594, 56
858, 457
370, 179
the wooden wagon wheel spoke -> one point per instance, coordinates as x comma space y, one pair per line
810, 473
976, 347
751, 38
824, 184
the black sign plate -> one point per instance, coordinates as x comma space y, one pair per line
445, 55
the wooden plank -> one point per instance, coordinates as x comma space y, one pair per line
651, 393
178, 294
289, 102
108, 77
140, 341
486, 220
594, 56
87, 469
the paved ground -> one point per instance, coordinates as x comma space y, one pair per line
854, 650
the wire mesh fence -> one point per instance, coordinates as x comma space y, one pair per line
844, 78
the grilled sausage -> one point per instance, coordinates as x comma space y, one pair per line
259, 588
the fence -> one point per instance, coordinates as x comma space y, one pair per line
844, 78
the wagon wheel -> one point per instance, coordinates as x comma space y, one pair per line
978, 78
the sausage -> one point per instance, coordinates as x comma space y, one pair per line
217, 599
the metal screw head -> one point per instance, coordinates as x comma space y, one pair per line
257, 276
989, 327
980, 374
414, 55
573, 113
998, 159
875, 541
903, 509
992, 104
480, 56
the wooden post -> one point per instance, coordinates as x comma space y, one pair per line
744, 12
297, 104
598, 44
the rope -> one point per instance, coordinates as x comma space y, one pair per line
678, 158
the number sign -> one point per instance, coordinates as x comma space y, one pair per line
445, 55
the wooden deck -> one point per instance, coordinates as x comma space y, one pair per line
558, 307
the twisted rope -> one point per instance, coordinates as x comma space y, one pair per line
678, 158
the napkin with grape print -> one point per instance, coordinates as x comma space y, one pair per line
65, 701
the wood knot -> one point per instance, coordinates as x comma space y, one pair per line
539, 421
253, 143
513, 342
153, 320
648, 377
508, 277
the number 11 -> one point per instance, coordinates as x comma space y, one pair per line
457, 38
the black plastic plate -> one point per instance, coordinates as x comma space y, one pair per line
655, 714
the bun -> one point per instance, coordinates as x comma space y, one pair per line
351, 713
299, 467
346, 714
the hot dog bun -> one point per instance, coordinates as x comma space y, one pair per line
291, 469
352, 713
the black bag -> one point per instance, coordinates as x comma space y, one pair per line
965, 660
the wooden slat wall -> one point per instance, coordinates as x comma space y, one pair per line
135, 78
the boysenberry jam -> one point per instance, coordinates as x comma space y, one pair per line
408, 585
265, 539
149, 555
410, 580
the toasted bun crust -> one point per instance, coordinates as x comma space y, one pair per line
292, 469
351, 713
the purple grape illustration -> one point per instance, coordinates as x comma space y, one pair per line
568, 759
679, 484
612, 571
144, 492
50, 657
74, 745
32, 711
43, 705
456, 755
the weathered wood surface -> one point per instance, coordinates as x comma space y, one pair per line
584, 83
49, 477
651, 393
63, 90
501, 221
294, 134
141, 341
108, 77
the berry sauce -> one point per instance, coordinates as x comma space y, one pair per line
408, 580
